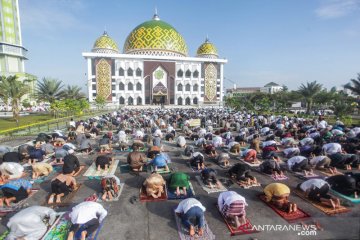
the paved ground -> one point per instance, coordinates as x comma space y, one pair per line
155, 220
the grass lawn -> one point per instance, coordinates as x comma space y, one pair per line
7, 123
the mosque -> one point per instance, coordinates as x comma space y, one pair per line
154, 68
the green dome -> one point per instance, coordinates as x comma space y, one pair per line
155, 37
105, 44
207, 49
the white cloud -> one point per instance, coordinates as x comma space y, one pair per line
337, 8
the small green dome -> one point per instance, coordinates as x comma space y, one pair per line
207, 49
105, 44
155, 37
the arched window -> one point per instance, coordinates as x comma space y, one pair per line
130, 72
180, 73
130, 86
195, 100
121, 72
122, 100
187, 101
188, 73
196, 88
187, 87
139, 100
180, 87
121, 86
138, 86
130, 101
196, 74
138, 72
180, 101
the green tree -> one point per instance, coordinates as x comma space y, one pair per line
72, 92
11, 89
354, 85
49, 90
308, 93
100, 102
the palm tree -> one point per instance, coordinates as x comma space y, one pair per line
72, 92
12, 89
49, 90
308, 92
354, 85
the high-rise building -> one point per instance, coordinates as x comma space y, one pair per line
12, 53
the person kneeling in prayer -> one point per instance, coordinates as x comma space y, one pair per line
103, 162
234, 147
209, 178
232, 206
61, 186
31, 223
159, 161
241, 173
136, 160
249, 155
179, 181
272, 166
317, 190
14, 190
223, 159
189, 210
154, 185
88, 216
197, 161
278, 195
110, 185
41, 169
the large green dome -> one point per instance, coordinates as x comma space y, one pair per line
105, 44
155, 37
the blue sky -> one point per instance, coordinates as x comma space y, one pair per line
286, 41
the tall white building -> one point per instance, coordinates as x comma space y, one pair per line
154, 67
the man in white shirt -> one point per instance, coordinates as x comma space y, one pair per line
298, 164
181, 142
188, 209
89, 214
29, 223
317, 190
332, 148
232, 206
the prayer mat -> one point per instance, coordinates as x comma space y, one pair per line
184, 233
251, 164
328, 173
61, 227
324, 208
276, 178
55, 163
246, 228
4, 235
247, 186
92, 170
145, 198
290, 217
210, 190
125, 168
350, 198
301, 175
190, 193
121, 187
16, 206
160, 170
65, 201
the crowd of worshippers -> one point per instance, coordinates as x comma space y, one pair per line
278, 144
